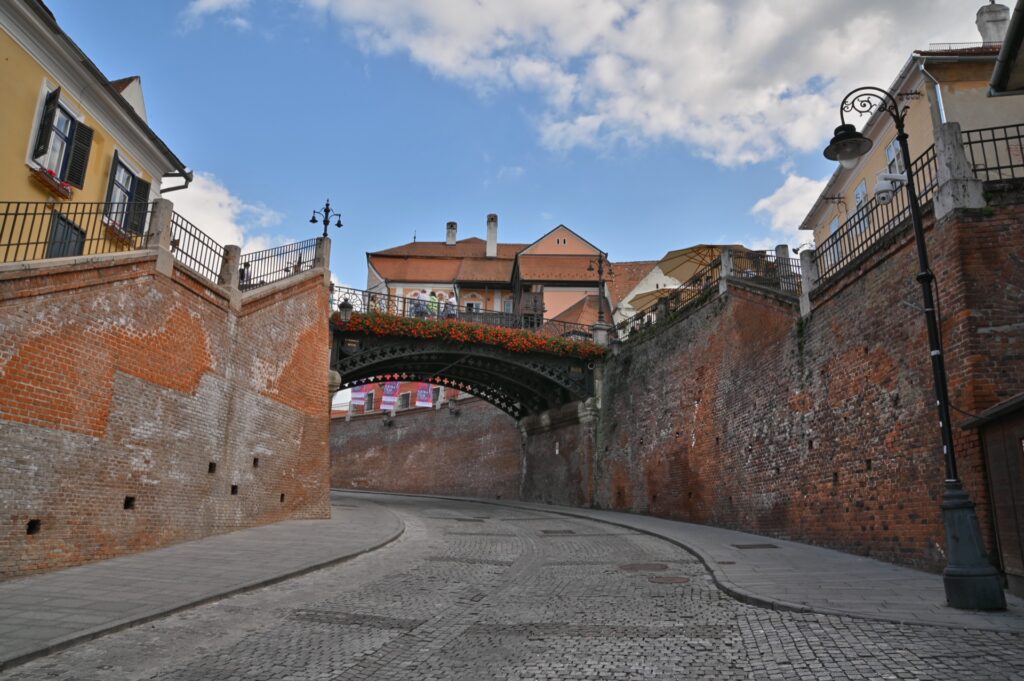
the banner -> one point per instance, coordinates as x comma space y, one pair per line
425, 395
358, 398
387, 402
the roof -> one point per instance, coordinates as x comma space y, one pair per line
47, 17
427, 270
474, 247
121, 83
491, 270
970, 50
625, 277
584, 311
556, 268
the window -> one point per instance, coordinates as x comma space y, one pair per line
436, 395
62, 142
127, 196
895, 156
66, 238
369, 403
404, 400
860, 196
472, 307
507, 306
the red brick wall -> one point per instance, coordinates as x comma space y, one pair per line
116, 381
822, 430
475, 453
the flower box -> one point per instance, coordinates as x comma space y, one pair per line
48, 180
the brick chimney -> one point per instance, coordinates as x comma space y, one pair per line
492, 235
453, 228
992, 21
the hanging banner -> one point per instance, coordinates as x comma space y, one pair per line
358, 398
425, 395
390, 398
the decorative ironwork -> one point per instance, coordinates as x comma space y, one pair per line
996, 153
767, 270
326, 214
367, 302
260, 268
35, 230
196, 249
691, 294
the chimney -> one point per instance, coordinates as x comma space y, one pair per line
453, 228
492, 235
992, 21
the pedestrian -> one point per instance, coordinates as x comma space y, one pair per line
451, 307
433, 304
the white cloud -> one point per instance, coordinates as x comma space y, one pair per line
786, 209
238, 22
510, 172
741, 81
197, 10
226, 218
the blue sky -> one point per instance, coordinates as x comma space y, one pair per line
644, 125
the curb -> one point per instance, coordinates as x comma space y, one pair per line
128, 622
721, 580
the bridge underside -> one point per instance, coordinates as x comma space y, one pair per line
517, 383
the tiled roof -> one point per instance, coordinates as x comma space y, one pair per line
625, 277
584, 311
474, 247
485, 270
432, 270
556, 268
121, 83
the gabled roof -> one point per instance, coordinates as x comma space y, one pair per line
583, 311
426, 270
625, 277
473, 247
485, 270
552, 231
556, 268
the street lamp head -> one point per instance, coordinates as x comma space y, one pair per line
312, 220
345, 311
338, 224
847, 146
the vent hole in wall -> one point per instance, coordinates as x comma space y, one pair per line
33, 526
256, 462
212, 468
234, 489
129, 503
282, 497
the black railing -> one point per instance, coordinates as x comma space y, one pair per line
995, 153
694, 291
371, 302
194, 248
35, 230
260, 268
767, 270
872, 221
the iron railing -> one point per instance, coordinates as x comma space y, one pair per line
695, 290
995, 153
768, 270
35, 230
872, 221
260, 268
196, 249
371, 302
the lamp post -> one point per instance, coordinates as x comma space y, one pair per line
970, 580
326, 216
600, 284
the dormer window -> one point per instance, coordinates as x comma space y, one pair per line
62, 142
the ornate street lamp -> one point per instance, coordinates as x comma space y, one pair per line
326, 214
600, 283
970, 580
345, 311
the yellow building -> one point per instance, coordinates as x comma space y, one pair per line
78, 162
948, 83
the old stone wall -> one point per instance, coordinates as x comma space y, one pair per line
138, 409
476, 452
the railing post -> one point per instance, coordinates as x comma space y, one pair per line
229, 275
322, 257
808, 279
957, 185
600, 331
160, 236
727, 269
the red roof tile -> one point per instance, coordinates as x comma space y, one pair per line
474, 247
491, 270
121, 83
427, 270
583, 311
625, 277
556, 268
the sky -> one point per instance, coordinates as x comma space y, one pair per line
643, 125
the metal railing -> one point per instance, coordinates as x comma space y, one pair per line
196, 249
872, 221
768, 270
260, 268
695, 290
370, 302
995, 153
36, 230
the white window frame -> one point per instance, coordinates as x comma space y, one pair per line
136, 176
894, 155
73, 111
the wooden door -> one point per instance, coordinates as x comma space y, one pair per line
1004, 453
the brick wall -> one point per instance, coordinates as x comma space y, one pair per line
473, 453
117, 382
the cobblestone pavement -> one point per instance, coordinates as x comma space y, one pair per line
474, 593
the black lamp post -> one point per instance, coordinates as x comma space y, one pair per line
970, 580
600, 284
326, 216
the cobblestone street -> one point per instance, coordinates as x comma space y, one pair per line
481, 592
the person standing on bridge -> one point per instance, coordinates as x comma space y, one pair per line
433, 305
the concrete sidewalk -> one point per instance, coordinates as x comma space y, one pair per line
43, 613
787, 575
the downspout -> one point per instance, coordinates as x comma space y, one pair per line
182, 173
937, 88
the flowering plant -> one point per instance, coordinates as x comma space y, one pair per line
452, 330
48, 178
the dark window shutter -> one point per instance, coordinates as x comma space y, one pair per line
81, 144
46, 124
113, 173
136, 220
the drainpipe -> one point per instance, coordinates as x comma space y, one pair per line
938, 90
